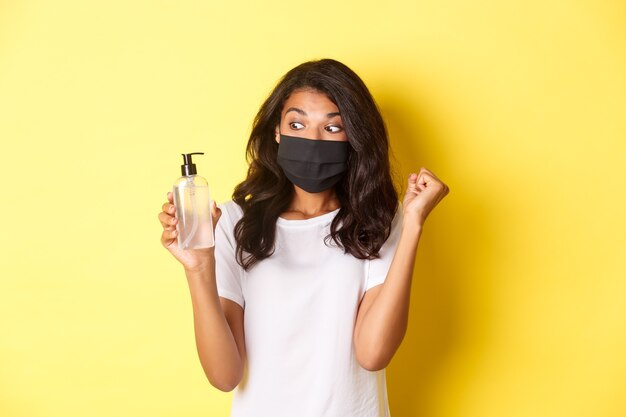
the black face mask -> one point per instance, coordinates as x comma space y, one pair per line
313, 165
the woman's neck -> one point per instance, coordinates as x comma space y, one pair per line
312, 204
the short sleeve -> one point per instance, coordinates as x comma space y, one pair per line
228, 273
377, 268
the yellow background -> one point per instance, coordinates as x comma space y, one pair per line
518, 303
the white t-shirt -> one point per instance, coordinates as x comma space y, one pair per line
300, 307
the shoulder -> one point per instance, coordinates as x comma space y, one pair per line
231, 211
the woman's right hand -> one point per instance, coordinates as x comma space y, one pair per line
192, 259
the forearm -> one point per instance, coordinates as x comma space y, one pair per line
215, 343
384, 324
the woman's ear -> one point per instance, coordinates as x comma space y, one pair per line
277, 135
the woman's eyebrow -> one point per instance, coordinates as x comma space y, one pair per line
302, 112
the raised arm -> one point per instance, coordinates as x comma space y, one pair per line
383, 314
384, 311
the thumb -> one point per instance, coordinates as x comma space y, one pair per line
412, 186
216, 212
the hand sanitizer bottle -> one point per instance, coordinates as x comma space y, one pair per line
193, 210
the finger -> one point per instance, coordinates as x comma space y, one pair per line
436, 187
167, 221
168, 237
216, 212
420, 182
423, 169
168, 208
213, 207
170, 197
425, 180
412, 183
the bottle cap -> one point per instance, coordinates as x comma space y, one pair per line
189, 168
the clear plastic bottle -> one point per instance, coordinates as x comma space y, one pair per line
193, 207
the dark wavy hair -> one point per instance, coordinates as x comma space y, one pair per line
367, 194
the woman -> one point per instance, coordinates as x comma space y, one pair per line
317, 251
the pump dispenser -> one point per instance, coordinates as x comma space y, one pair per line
193, 207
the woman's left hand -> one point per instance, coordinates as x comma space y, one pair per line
423, 193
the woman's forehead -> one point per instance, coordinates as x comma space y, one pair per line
309, 101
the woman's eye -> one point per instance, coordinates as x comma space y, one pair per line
292, 124
334, 129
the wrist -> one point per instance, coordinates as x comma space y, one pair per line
202, 268
412, 223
